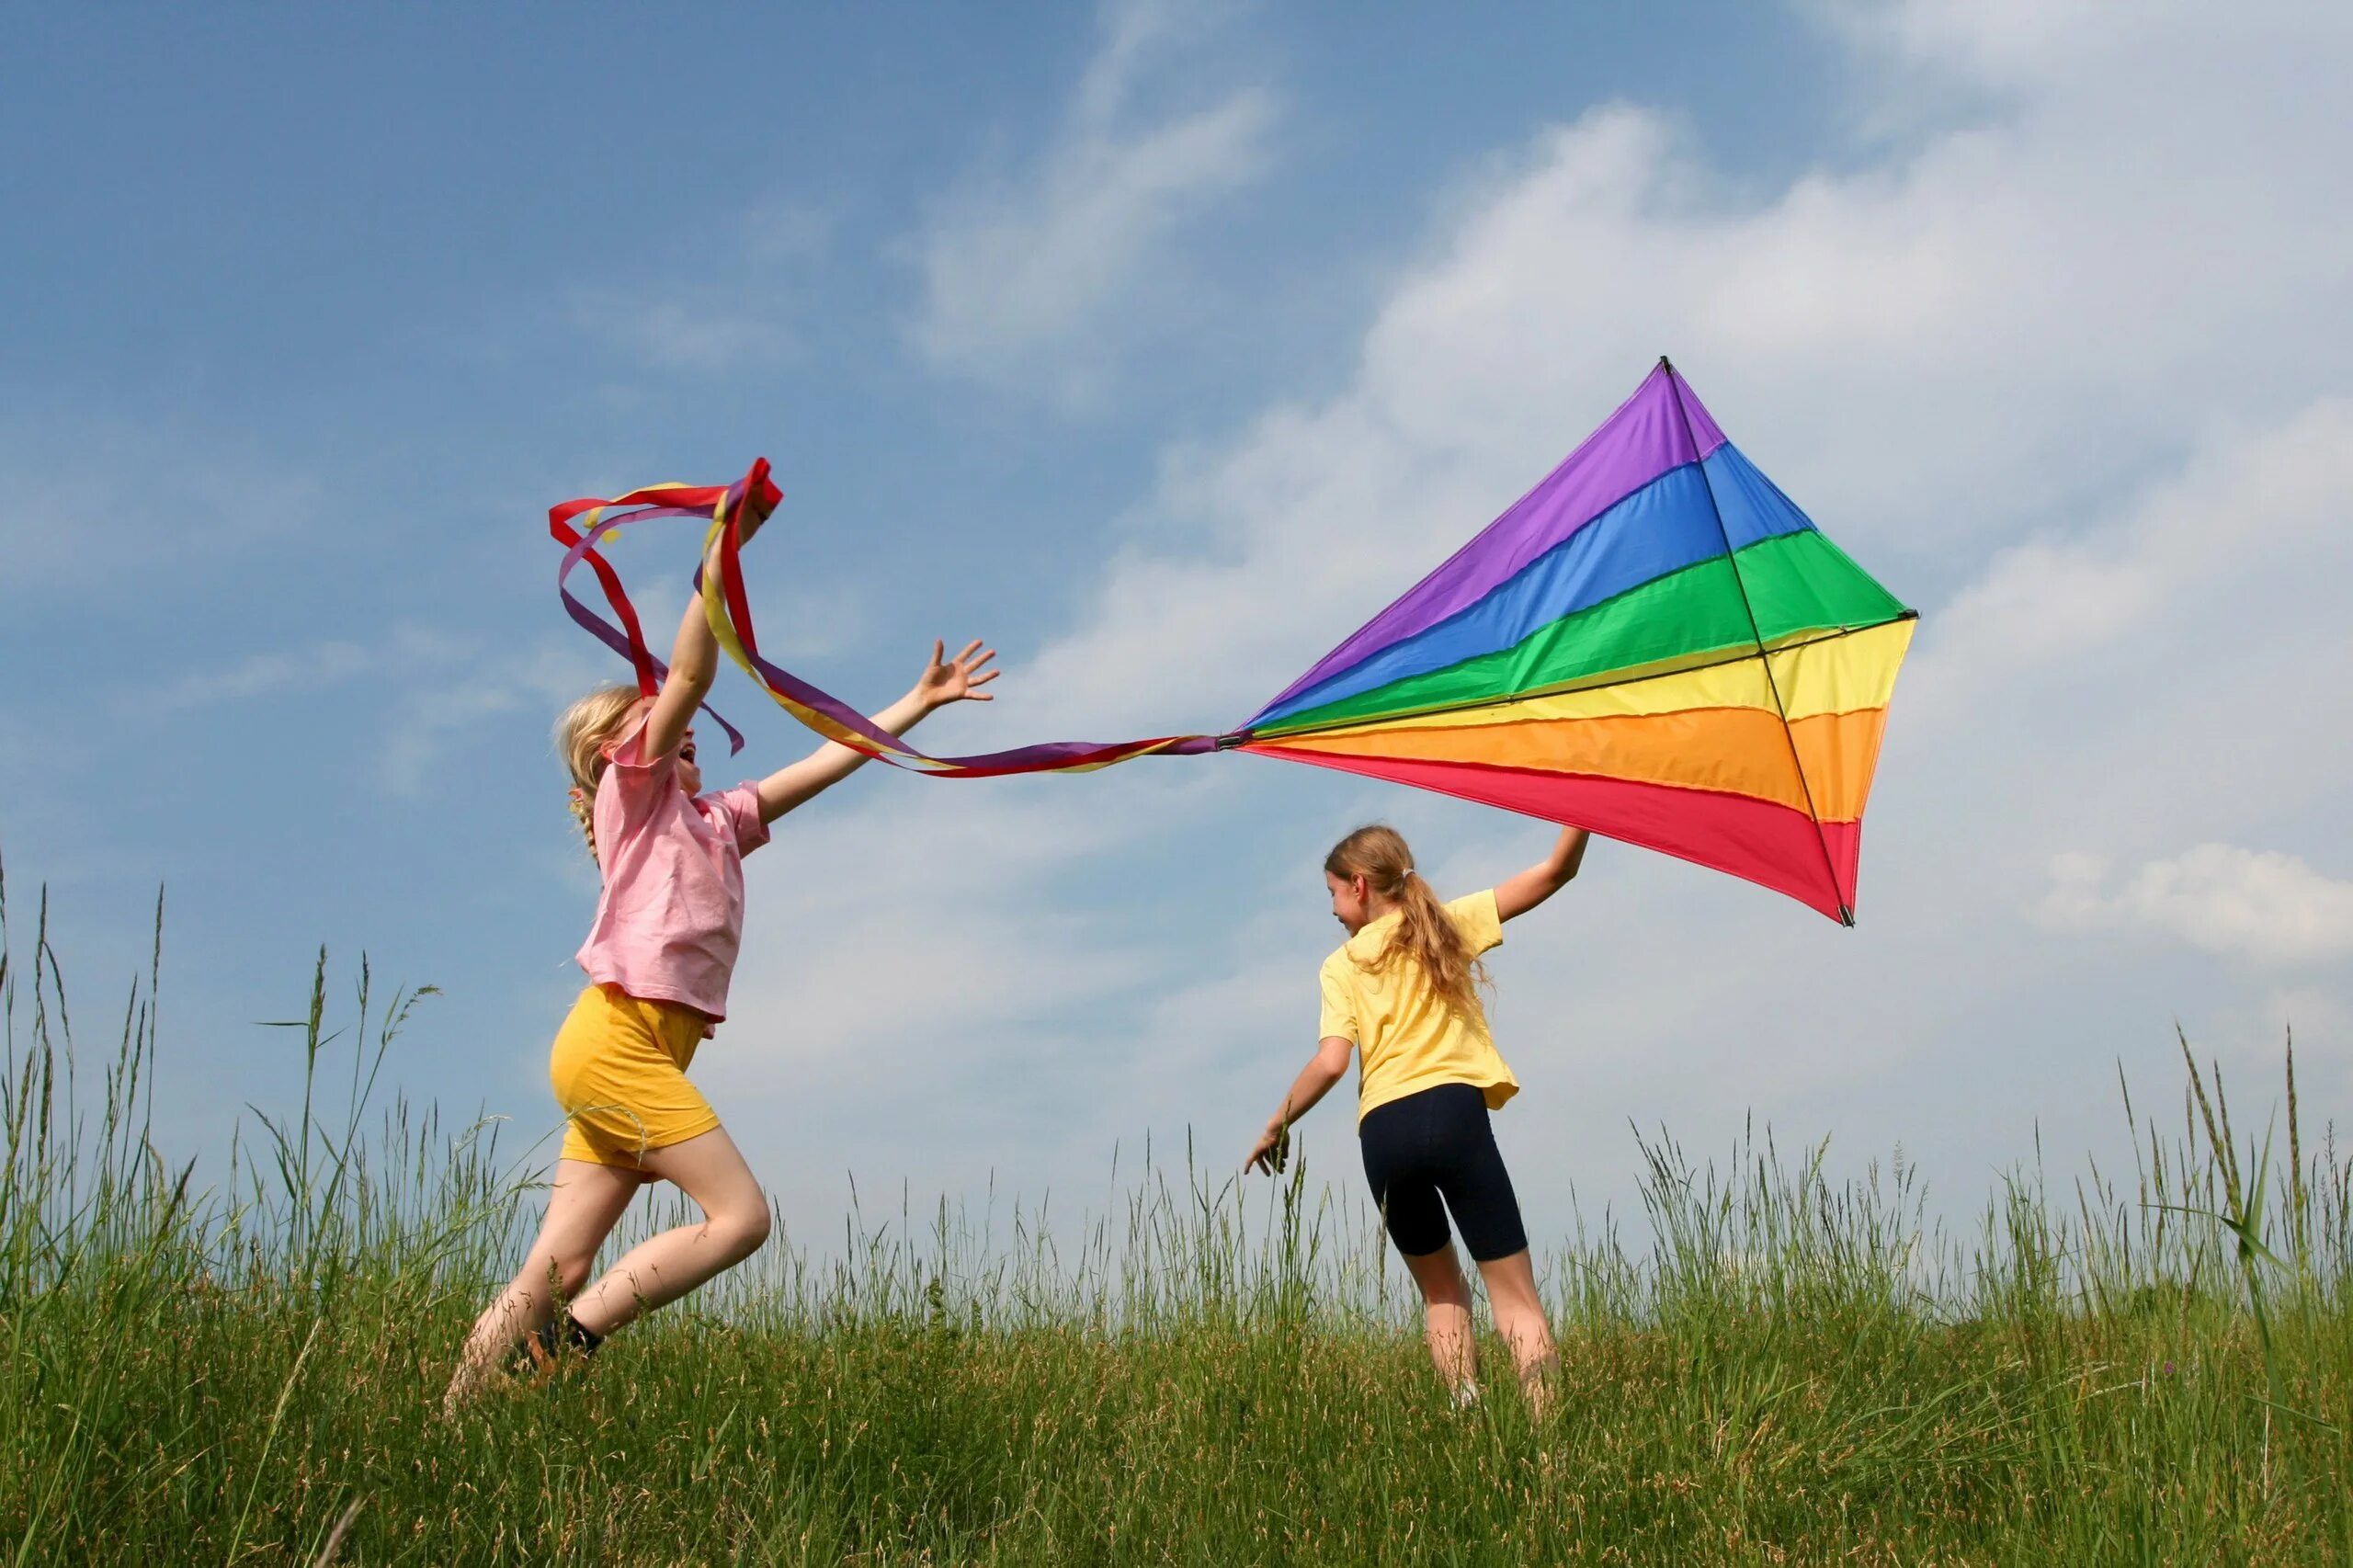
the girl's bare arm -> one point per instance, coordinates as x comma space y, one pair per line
1325, 1068
1516, 895
943, 680
694, 662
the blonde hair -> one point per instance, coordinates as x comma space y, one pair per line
1424, 933
587, 727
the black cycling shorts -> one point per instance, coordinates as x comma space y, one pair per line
1439, 1145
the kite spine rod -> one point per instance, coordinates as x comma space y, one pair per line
1797, 763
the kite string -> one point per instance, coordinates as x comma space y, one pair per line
836, 720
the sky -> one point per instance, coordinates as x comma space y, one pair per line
1162, 345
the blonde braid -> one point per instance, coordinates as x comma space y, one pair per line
584, 809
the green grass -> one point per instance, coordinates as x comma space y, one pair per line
1786, 1369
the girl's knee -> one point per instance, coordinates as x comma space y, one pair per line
744, 1231
756, 1229
1511, 1282
1441, 1281
1453, 1296
559, 1275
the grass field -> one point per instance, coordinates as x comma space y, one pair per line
2155, 1367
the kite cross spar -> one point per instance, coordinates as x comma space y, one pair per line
1653, 644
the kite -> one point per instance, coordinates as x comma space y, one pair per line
1654, 644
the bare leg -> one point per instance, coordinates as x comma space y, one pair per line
710, 1170
1446, 1319
585, 1204
1520, 1318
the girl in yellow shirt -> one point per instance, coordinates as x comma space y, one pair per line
1402, 994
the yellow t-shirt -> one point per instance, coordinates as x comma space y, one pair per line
1406, 1040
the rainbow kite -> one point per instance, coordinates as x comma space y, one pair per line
1653, 644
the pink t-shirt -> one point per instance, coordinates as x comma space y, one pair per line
671, 914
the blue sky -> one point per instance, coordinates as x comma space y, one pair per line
1162, 345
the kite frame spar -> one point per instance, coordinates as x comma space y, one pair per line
1757, 640
1620, 514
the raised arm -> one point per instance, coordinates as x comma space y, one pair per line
1516, 895
943, 680
1325, 1068
694, 662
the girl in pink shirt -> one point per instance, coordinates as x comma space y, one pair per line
658, 955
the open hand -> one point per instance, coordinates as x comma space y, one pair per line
959, 679
1272, 1150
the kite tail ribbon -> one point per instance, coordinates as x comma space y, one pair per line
604, 519
728, 612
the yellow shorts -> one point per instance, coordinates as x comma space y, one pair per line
619, 1072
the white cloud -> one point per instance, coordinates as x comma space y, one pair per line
2264, 906
429, 717
685, 331
2004, 43
320, 665
1039, 272
730, 302
147, 505
2320, 1020
434, 685
457, 684
2243, 513
277, 672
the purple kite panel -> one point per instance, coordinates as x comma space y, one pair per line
1648, 436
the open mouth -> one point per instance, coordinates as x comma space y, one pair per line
687, 752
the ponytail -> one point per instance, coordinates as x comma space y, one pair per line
1425, 934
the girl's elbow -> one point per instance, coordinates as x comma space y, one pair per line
685, 675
